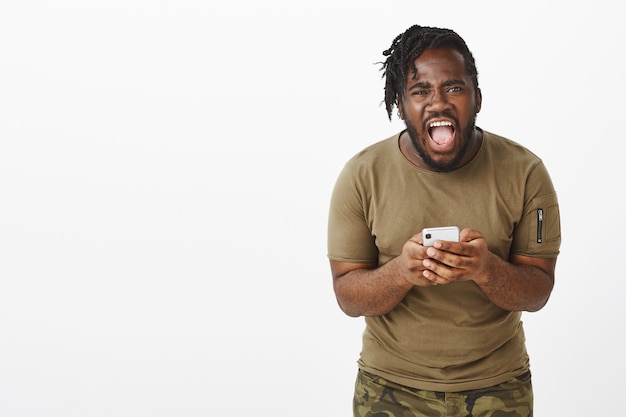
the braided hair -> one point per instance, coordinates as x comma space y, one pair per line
407, 47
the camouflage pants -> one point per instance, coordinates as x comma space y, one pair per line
376, 397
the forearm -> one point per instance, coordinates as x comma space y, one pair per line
516, 286
371, 292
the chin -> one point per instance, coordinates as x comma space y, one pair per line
443, 166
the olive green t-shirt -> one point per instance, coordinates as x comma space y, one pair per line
445, 337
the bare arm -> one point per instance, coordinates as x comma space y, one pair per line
362, 290
523, 284
367, 290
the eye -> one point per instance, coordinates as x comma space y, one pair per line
454, 89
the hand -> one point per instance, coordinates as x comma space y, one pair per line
411, 262
447, 262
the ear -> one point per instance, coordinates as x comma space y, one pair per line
479, 100
400, 112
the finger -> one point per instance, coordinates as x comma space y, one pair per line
436, 271
434, 278
442, 256
417, 239
467, 235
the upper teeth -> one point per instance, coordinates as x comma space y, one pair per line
437, 124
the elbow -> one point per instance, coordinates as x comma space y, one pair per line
541, 300
540, 304
349, 310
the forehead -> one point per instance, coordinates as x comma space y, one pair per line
442, 63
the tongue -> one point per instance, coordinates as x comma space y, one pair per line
442, 135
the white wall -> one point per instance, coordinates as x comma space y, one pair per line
165, 171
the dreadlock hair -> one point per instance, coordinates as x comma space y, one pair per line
407, 47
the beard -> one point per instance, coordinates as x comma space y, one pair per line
466, 138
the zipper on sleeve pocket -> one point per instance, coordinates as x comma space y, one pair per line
539, 225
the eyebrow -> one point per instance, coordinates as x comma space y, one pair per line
447, 83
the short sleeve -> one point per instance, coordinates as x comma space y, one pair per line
349, 237
538, 234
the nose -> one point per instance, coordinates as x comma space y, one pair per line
438, 100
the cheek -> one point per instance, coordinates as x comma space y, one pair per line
415, 114
414, 122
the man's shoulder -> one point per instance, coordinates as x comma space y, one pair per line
506, 147
381, 149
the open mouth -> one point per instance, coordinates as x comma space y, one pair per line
441, 133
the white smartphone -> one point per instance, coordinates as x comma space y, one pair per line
449, 233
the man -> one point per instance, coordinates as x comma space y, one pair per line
443, 333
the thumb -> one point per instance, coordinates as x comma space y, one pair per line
467, 235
